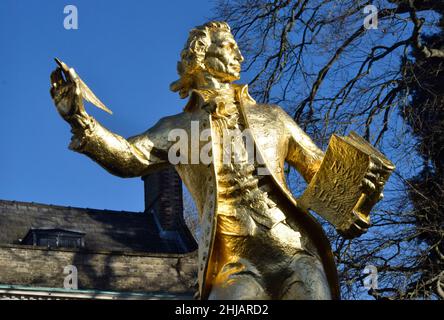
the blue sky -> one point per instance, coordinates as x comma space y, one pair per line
126, 51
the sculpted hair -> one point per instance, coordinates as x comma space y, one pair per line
193, 55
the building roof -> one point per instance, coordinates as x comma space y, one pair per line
104, 229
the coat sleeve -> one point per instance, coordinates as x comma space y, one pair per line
303, 154
132, 157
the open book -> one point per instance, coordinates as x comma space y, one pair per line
335, 192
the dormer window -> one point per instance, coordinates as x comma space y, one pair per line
54, 238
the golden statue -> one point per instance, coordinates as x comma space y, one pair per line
257, 240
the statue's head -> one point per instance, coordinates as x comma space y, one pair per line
209, 51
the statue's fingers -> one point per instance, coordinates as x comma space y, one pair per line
368, 185
371, 176
57, 82
374, 167
54, 91
56, 77
375, 179
378, 168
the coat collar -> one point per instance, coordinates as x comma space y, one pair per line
200, 97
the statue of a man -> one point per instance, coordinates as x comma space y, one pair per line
256, 242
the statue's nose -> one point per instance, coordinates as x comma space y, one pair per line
239, 55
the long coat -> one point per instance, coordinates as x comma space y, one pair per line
277, 139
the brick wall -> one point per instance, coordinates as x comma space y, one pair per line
98, 270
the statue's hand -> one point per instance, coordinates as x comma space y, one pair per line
67, 96
372, 184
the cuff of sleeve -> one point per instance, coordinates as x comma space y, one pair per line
82, 133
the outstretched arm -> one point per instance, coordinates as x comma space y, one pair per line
131, 157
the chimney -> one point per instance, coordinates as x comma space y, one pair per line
163, 199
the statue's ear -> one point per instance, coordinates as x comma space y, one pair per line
198, 46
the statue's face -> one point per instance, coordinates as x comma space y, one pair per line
223, 58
